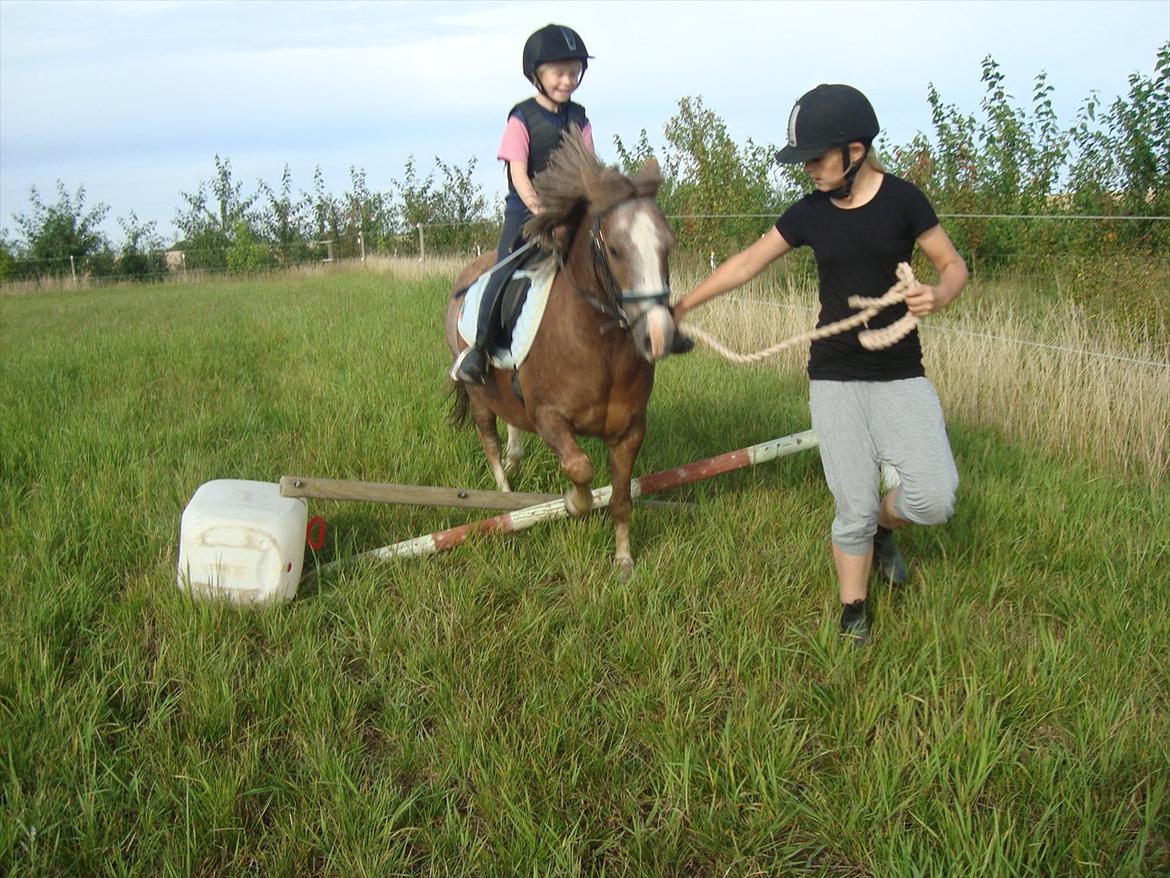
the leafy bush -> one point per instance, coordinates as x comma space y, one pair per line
62, 238
141, 256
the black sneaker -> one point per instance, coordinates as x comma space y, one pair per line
887, 560
855, 621
470, 367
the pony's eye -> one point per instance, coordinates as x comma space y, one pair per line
613, 251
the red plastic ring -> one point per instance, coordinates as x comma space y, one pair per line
317, 542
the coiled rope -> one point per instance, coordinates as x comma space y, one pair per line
871, 339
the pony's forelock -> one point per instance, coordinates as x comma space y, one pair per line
574, 182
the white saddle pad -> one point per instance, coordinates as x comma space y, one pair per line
527, 324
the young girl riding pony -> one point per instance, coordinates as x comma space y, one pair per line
868, 406
554, 60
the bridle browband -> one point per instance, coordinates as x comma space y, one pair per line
615, 299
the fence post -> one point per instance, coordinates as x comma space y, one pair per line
362, 246
422, 244
72, 268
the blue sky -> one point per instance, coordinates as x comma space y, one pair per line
134, 99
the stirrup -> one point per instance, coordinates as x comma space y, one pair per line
458, 373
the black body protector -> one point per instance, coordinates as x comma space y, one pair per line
544, 135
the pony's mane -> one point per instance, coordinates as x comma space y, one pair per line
574, 182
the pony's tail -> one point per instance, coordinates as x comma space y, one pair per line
460, 404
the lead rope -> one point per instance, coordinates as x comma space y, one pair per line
871, 339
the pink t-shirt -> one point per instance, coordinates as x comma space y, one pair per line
514, 146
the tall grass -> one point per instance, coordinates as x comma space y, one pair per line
1035, 370
512, 707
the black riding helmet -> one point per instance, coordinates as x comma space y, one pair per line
829, 116
553, 42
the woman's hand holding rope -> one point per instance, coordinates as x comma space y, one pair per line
871, 339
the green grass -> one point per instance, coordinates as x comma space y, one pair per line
512, 707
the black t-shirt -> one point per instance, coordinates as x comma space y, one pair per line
857, 252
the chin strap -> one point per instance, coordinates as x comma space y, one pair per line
846, 188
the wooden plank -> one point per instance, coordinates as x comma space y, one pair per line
509, 522
413, 495
424, 495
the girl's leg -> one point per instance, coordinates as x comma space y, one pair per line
471, 365
908, 429
852, 574
839, 414
510, 234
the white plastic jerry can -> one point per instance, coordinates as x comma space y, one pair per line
243, 541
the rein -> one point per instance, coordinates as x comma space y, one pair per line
871, 339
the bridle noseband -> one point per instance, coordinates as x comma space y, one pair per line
616, 299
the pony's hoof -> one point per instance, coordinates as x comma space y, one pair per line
624, 566
577, 505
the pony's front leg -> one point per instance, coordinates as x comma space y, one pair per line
489, 438
556, 431
622, 453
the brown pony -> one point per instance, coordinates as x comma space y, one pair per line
590, 369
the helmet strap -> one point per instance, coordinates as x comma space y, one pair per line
846, 188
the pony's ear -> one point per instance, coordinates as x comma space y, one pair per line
647, 180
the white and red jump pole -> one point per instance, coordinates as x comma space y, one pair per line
521, 519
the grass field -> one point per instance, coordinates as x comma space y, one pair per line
512, 707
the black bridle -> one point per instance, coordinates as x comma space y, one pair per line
615, 299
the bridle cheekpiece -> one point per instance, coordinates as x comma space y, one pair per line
615, 299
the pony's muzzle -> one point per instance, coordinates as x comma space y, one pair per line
654, 333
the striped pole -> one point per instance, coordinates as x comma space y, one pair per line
522, 519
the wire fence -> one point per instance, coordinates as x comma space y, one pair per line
987, 249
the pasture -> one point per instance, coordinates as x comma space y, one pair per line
513, 707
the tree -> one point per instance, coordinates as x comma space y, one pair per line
246, 252
284, 221
7, 257
1140, 129
326, 212
141, 256
55, 232
454, 209
215, 212
707, 174
368, 217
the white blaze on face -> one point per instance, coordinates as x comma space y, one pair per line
646, 249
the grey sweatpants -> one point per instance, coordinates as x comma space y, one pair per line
860, 424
